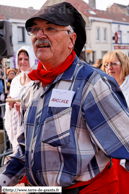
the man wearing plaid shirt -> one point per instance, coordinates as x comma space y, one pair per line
74, 119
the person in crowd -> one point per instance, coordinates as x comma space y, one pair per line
74, 118
1, 62
18, 71
4, 95
19, 85
116, 64
1, 85
1, 65
90, 62
1, 76
11, 73
2, 70
98, 63
25, 59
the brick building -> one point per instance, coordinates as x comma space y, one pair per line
118, 8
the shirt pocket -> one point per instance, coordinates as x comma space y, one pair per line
56, 129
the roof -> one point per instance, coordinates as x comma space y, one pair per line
88, 11
122, 6
1, 17
121, 17
85, 9
81, 6
10, 12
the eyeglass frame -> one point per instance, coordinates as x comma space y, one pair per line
11, 73
112, 64
58, 29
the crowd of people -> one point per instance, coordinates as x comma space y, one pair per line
5, 81
10, 73
70, 128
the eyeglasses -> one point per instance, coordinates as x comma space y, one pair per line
48, 31
112, 64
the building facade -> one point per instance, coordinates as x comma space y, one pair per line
105, 30
121, 31
17, 16
118, 8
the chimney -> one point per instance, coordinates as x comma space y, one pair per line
92, 3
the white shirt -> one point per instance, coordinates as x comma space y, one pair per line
125, 89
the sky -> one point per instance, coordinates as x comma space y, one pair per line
36, 4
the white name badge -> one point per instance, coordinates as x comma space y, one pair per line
61, 98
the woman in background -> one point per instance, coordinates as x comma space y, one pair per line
25, 59
98, 63
11, 73
116, 64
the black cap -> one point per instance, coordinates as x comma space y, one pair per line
63, 14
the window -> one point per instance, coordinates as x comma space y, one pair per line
104, 34
21, 36
97, 34
91, 12
103, 53
128, 37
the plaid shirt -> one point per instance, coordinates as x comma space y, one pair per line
64, 145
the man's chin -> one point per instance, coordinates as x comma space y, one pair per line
43, 56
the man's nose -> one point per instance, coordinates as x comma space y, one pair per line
40, 34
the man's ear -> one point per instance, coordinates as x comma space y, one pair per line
72, 37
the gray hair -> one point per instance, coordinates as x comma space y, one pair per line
70, 29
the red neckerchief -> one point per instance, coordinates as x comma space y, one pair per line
46, 77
